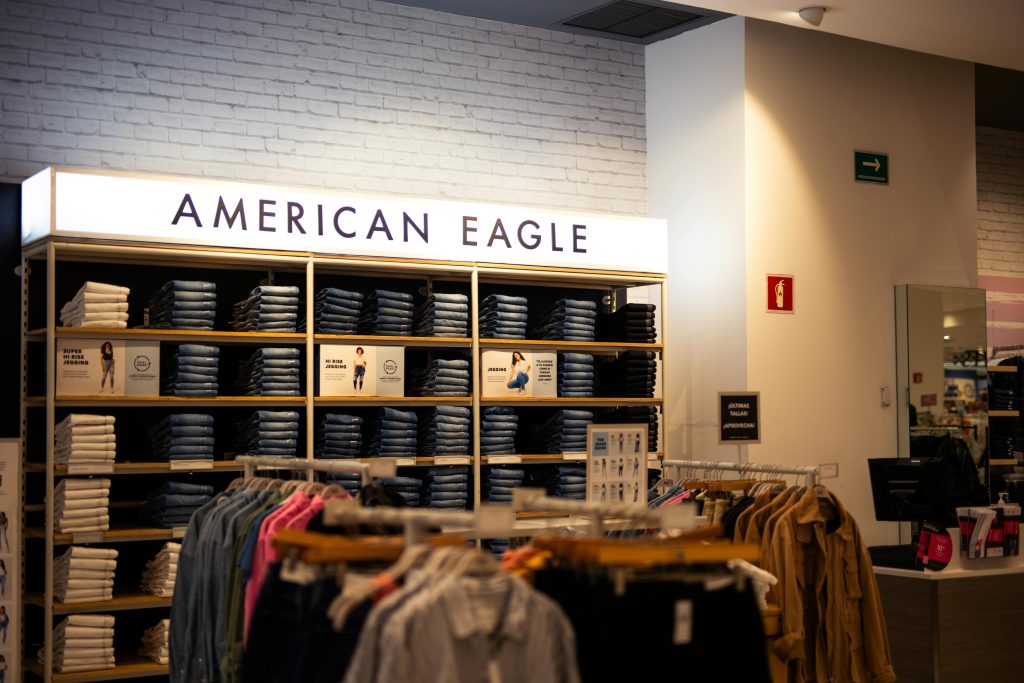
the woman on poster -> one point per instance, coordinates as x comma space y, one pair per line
359, 369
518, 372
107, 361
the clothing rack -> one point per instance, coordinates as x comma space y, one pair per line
811, 473
382, 468
679, 517
416, 522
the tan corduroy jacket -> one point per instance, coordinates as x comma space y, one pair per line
833, 629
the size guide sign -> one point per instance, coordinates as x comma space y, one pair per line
96, 366
739, 417
617, 463
353, 370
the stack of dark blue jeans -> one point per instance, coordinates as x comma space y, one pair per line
269, 308
270, 432
271, 371
503, 317
349, 481
340, 436
441, 378
631, 323
635, 415
443, 315
184, 305
576, 375
1002, 397
498, 431
564, 481
445, 430
406, 488
192, 371
337, 311
387, 313
569, 319
564, 432
499, 481
394, 434
185, 436
447, 488
173, 503
1001, 443
632, 375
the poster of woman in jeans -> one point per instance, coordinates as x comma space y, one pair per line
107, 362
358, 369
518, 372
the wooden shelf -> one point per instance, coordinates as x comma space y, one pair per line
376, 401
372, 340
141, 467
1004, 413
178, 336
553, 458
1003, 462
116, 534
167, 401
598, 348
128, 666
599, 402
129, 600
1001, 368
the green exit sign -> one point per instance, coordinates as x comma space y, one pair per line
871, 167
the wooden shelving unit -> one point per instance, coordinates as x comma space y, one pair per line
140, 467
412, 342
128, 600
128, 666
566, 402
596, 348
379, 401
183, 402
116, 534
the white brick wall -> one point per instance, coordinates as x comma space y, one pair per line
1000, 202
346, 94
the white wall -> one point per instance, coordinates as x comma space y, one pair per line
695, 134
926, 350
811, 99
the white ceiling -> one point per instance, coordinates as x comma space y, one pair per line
983, 31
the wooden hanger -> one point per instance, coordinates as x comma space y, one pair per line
688, 549
316, 548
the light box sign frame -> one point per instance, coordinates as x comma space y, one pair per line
195, 211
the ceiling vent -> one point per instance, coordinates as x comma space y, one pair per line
632, 19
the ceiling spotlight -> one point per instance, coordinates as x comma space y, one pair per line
812, 15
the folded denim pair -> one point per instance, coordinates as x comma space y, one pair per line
268, 308
97, 304
443, 315
340, 436
387, 313
269, 432
176, 306
192, 371
568, 318
630, 323
446, 430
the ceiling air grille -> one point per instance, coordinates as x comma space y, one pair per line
632, 19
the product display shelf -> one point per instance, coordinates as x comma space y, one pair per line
116, 534
1001, 368
1004, 413
392, 401
597, 348
183, 402
128, 666
130, 599
569, 402
221, 337
1003, 462
420, 342
550, 458
139, 467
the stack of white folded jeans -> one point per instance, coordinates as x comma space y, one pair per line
184, 305
154, 642
158, 577
83, 439
83, 642
269, 308
81, 505
97, 305
192, 371
84, 574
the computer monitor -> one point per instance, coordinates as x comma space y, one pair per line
912, 490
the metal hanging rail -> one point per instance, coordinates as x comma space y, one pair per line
681, 517
250, 463
812, 473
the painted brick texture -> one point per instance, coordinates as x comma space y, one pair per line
345, 94
1000, 202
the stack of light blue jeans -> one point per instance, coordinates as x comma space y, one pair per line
192, 371
349, 481
503, 317
394, 434
498, 431
445, 430
447, 488
340, 436
564, 432
269, 308
569, 319
441, 378
185, 436
387, 314
443, 315
184, 305
565, 481
406, 488
499, 481
173, 503
337, 311
269, 432
576, 375
270, 371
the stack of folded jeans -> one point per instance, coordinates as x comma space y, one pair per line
387, 314
394, 434
631, 323
632, 375
269, 308
441, 378
569, 319
1002, 398
499, 481
350, 481
564, 432
84, 574
443, 315
154, 642
83, 642
406, 488
158, 577
565, 481
498, 431
270, 371
83, 439
184, 305
97, 305
173, 503
635, 415
1001, 443
576, 375
337, 311
503, 317
498, 546
82, 505
447, 488
185, 436
192, 371
340, 436
269, 432
445, 430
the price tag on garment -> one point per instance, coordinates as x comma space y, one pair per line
495, 521
403, 462
178, 532
574, 456
683, 633
179, 465
91, 469
504, 459
87, 537
451, 459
